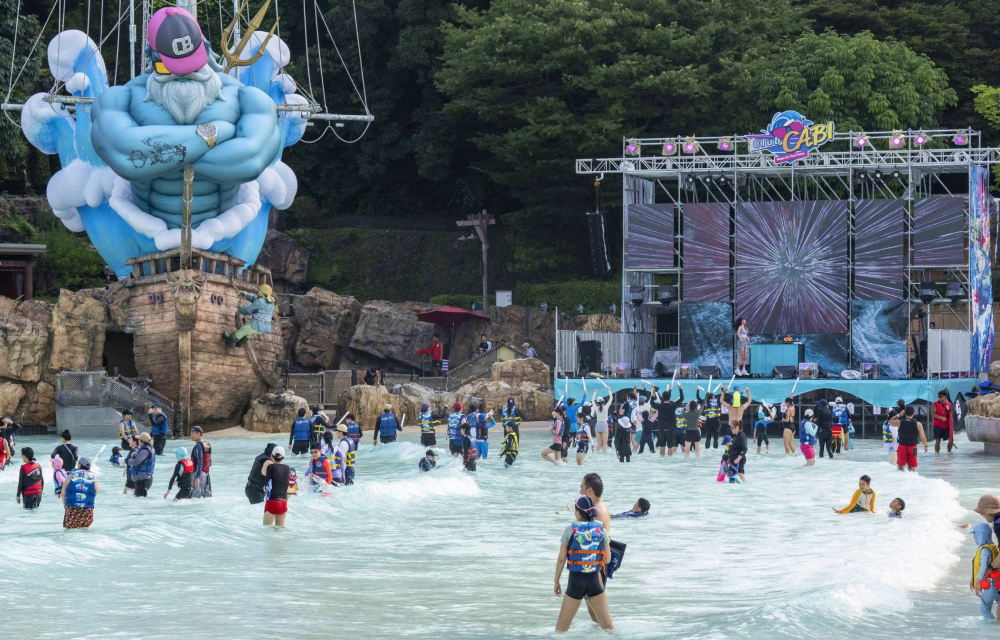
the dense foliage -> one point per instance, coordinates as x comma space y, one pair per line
484, 104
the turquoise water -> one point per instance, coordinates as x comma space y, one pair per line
454, 555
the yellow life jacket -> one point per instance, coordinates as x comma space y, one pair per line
994, 551
510, 445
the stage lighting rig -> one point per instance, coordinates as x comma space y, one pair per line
897, 139
921, 139
669, 146
725, 144
961, 139
632, 147
691, 145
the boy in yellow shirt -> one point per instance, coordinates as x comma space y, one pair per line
863, 498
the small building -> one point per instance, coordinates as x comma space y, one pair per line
16, 264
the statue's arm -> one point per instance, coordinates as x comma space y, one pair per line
256, 145
140, 152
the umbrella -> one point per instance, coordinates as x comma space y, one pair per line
450, 317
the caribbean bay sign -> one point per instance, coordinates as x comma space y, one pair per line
791, 137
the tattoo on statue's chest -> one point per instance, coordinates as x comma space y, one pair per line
158, 153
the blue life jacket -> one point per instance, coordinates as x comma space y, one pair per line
354, 433
318, 426
150, 463
586, 547
840, 415
162, 428
804, 437
455, 428
128, 426
887, 433
482, 430
712, 409
680, 419
301, 429
80, 489
352, 450
427, 422
116, 459
387, 425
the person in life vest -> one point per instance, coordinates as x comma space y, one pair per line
334, 456
944, 425
807, 437
455, 420
428, 421
985, 579
890, 436
469, 451
116, 458
510, 414
142, 462
31, 481
183, 476
349, 448
127, 428
58, 475
386, 426
298, 438
428, 462
840, 426
8, 431
318, 472
160, 428
510, 444
78, 496
318, 421
201, 456
353, 429
133, 446
585, 548
483, 423
863, 500
712, 415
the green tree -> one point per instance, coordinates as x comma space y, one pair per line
26, 70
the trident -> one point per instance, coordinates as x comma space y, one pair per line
233, 57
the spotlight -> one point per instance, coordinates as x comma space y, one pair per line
721, 179
861, 141
954, 291
863, 175
896, 174
725, 144
669, 147
897, 139
690, 145
960, 140
632, 147
878, 174
636, 297
921, 139
689, 179
928, 292
668, 293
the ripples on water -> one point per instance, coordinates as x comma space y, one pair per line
454, 555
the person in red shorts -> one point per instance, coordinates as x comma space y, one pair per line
910, 433
276, 505
944, 428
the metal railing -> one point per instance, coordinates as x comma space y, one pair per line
90, 402
323, 387
634, 350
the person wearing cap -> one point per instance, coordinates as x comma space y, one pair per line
298, 438
944, 425
428, 462
455, 420
386, 426
529, 351
807, 437
256, 490
585, 547
66, 451
260, 310
30, 480
201, 456
142, 461
160, 428
348, 448
127, 428
78, 496
428, 421
989, 508
183, 474
278, 474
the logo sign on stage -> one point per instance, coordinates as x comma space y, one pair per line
790, 137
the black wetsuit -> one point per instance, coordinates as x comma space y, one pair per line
69, 455
183, 480
646, 439
738, 448
824, 430
623, 443
426, 464
666, 419
254, 490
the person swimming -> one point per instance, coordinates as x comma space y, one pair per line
428, 462
638, 510
863, 499
896, 508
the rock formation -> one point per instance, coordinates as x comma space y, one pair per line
514, 372
366, 403
273, 413
287, 259
325, 323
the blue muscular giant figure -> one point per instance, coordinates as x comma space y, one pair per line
123, 158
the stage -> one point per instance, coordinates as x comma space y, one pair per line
880, 393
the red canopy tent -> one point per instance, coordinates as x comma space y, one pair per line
450, 317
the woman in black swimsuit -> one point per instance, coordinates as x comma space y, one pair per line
788, 424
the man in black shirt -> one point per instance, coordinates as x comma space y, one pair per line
256, 482
373, 377
738, 450
666, 418
824, 429
66, 451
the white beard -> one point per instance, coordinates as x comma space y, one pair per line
184, 97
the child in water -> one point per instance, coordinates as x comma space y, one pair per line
639, 509
469, 451
428, 462
509, 450
896, 508
116, 459
183, 475
985, 579
58, 475
863, 499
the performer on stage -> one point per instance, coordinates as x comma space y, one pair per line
743, 342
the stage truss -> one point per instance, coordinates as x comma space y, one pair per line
841, 170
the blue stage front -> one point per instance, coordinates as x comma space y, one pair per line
882, 393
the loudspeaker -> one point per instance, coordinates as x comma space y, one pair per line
782, 372
707, 372
869, 371
668, 293
598, 248
591, 355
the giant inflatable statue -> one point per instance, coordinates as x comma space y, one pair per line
123, 157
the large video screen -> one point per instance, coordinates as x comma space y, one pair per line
878, 249
707, 335
706, 252
939, 229
650, 243
791, 266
